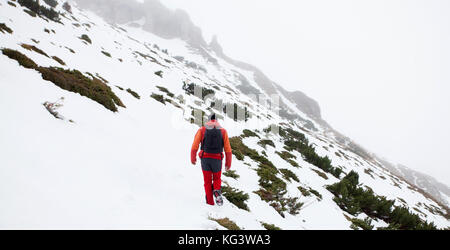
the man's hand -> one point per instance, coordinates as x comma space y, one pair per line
193, 157
227, 168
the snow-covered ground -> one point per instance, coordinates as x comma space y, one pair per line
131, 169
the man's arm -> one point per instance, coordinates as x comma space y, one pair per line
227, 149
195, 146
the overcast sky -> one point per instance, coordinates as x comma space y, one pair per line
380, 70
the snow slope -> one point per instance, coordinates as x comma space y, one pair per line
131, 169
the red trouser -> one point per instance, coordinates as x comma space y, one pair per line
212, 172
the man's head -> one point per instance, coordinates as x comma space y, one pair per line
212, 117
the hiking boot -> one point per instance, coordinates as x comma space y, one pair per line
218, 196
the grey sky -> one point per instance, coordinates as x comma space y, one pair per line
379, 69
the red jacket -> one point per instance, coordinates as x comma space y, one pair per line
199, 139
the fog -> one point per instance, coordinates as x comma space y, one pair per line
379, 69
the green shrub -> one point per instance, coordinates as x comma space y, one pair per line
294, 205
316, 193
271, 227
75, 81
265, 142
4, 28
86, 38
12, 4
321, 174
31, 13
159, 73
133, 93
285, 155
35, 7
159, 98
365, 224
59, 60
106, 54
22, 59
236, 197
289, 175
227, 223
231, 174
165, 90
304, 191
249, 133
354, 199
190, 90
33, 48
52, 3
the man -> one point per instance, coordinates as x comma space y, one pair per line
214, 140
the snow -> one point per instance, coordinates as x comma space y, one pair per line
131, 169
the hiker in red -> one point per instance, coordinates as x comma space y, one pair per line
214, 140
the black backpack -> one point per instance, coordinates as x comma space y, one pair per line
213, 141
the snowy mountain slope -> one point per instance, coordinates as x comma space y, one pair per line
130, 169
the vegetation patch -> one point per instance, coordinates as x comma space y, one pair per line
59, 60
75, 81
297, 141
249, 133
22, 59
136, 95
51, 3
33, 48
190, 90
321, 174
106, 53
12, 4
289, 175
165, 90
227, 223
236, 197
365, 224
270, 227
231, 174
86, 38
35, 7
265, 142
285, 155
29, 12
4, 28
159, 98
159, 73
352, 198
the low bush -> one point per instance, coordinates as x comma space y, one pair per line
35, 7
249, 133
265, 142
136, 95
75, 81
365, 224
4, 28
33, 48
22, 59
59, 60
289, 175
86, 38
354, 199
159, 98
285, 155
165, 90
227, 223
106, 53
159, 73
270, 227
236, 197
231, 174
